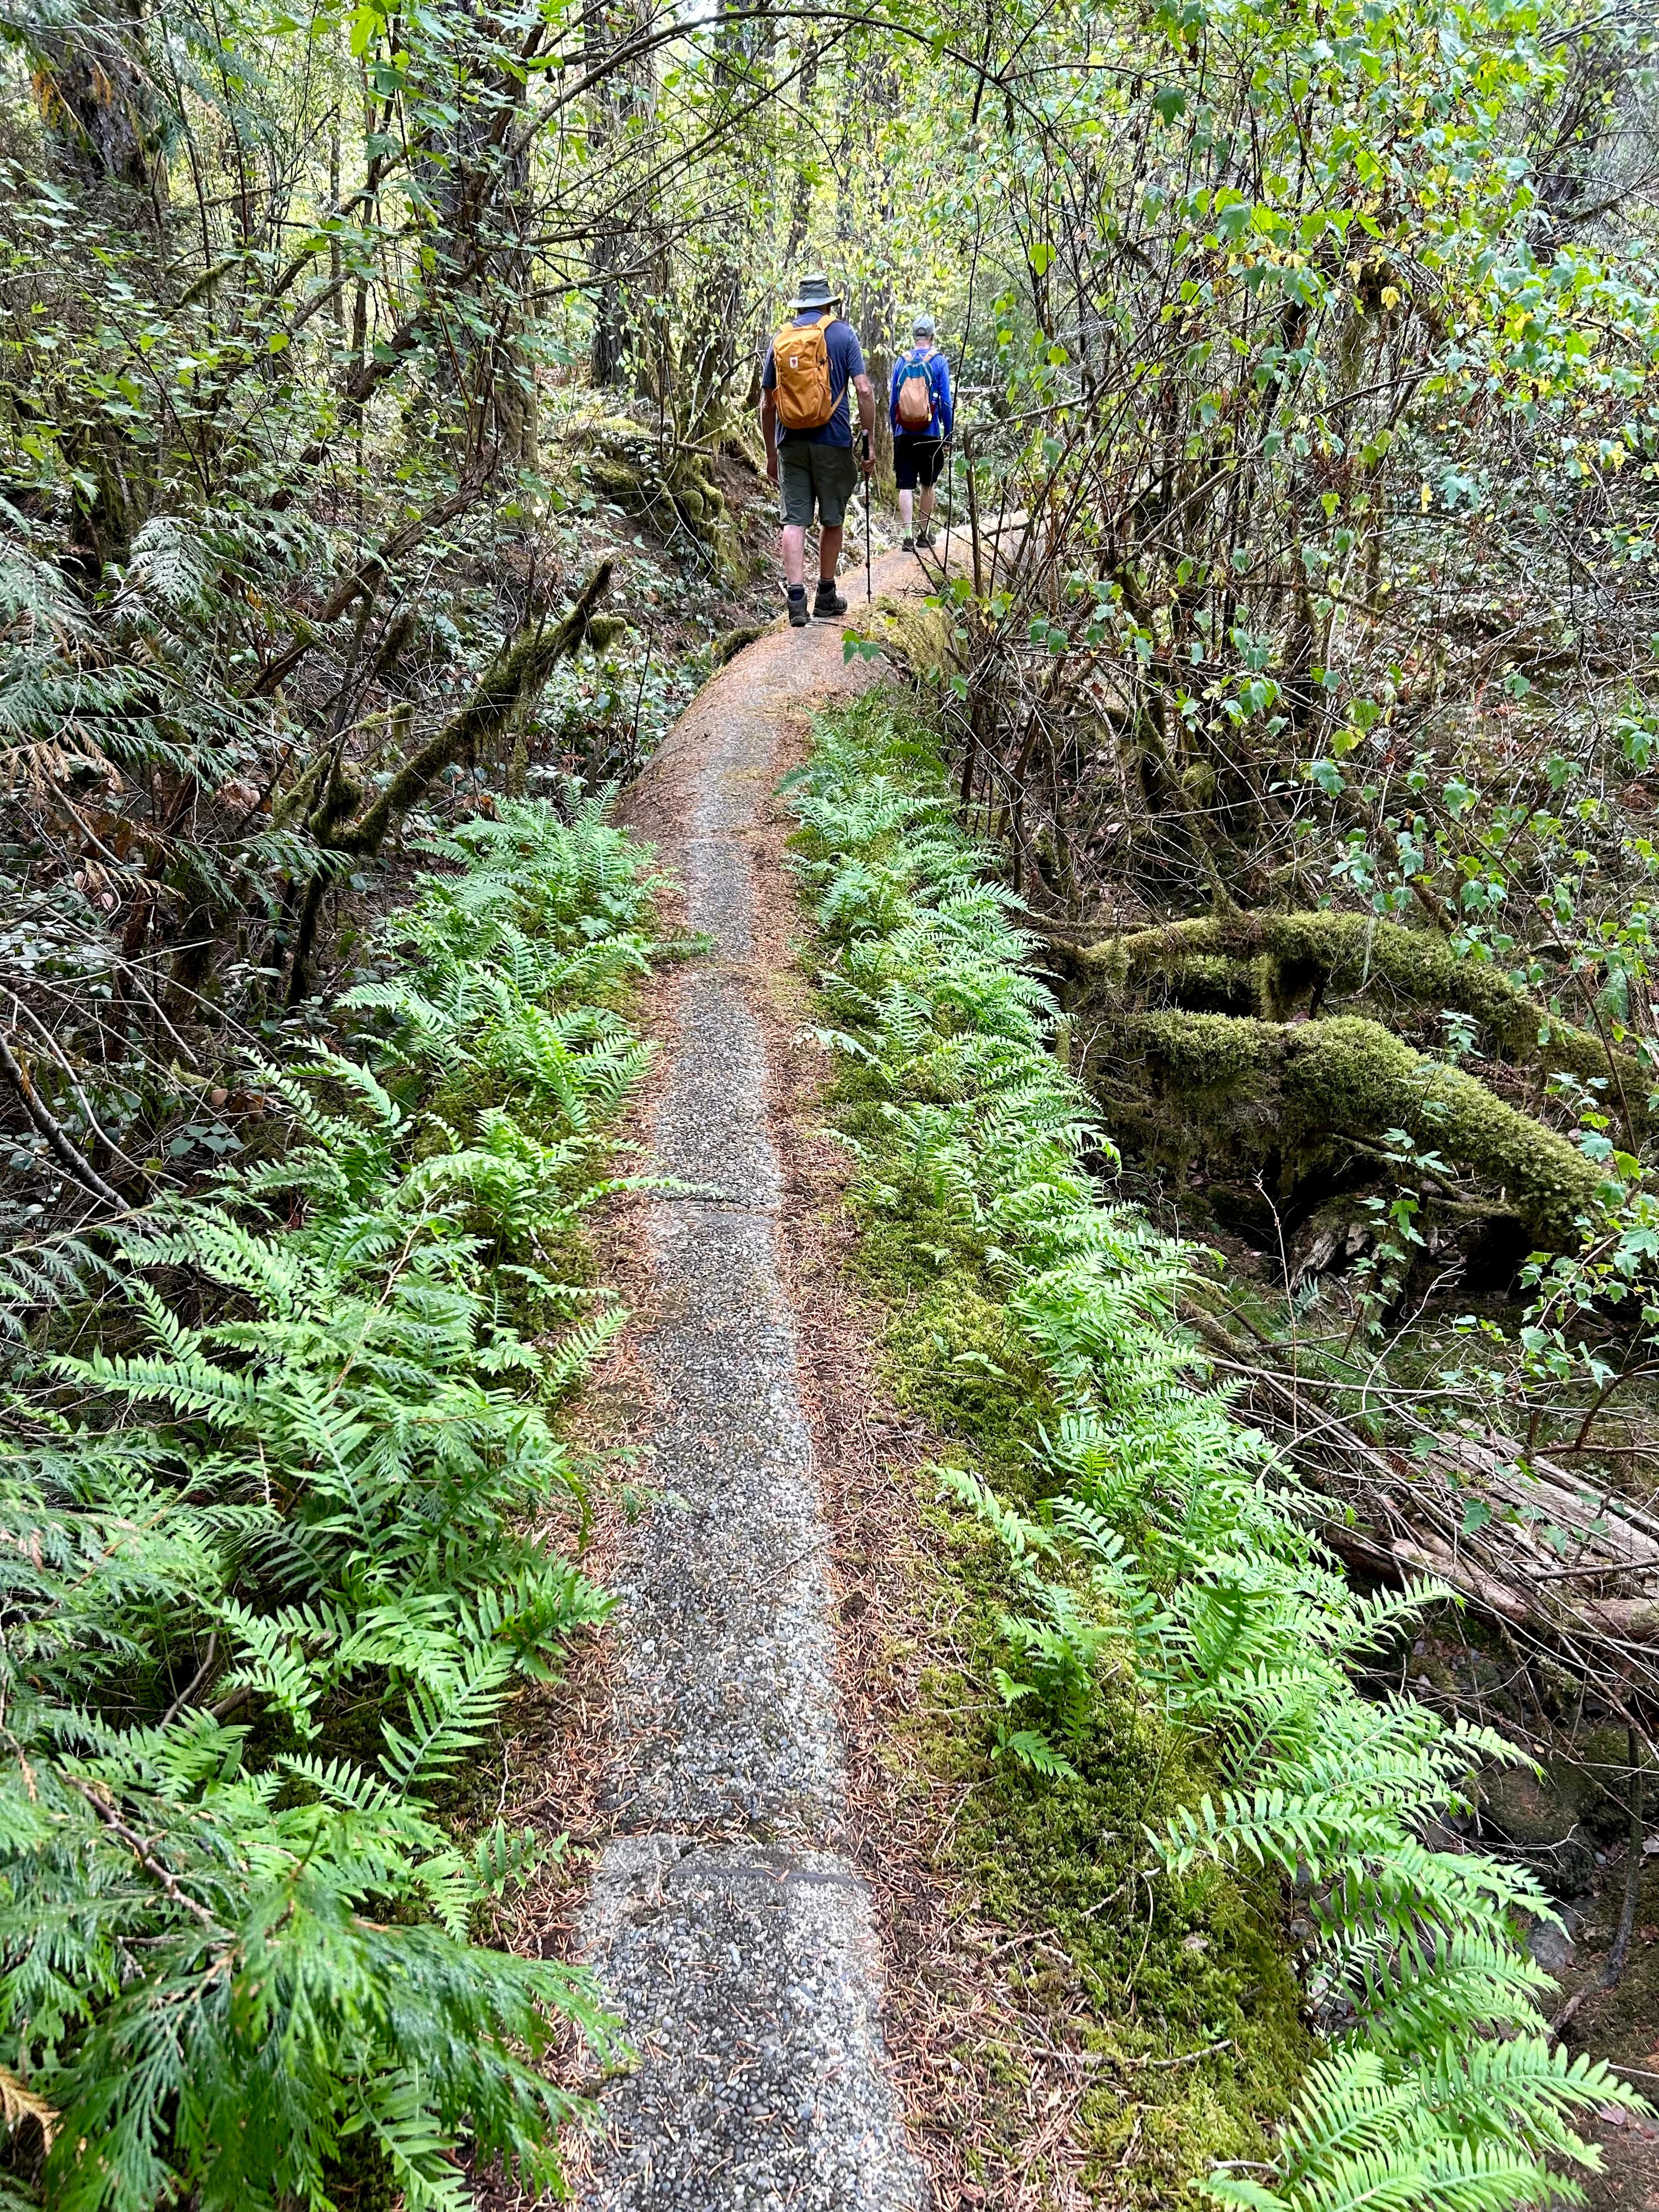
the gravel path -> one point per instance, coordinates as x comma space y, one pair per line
724, 1924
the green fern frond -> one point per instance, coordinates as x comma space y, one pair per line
1196, 1546
308, 1439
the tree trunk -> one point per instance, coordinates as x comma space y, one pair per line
99, 104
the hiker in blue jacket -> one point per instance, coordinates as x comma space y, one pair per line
921, 412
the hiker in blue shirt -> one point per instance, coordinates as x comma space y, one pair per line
923, 416
807, 430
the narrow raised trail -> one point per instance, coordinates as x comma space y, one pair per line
726, 1924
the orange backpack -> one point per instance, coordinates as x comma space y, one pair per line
800, 356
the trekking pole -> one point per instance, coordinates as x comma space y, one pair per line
869, 587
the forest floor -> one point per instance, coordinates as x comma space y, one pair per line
1620, 2025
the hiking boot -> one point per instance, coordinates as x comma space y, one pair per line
907, 544
828, 602
924, 537
799, 616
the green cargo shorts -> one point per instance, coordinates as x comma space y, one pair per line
806, 473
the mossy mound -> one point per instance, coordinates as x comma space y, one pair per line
666, 483
957, 1359
1185, 1966
914, 635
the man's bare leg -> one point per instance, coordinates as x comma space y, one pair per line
794, 554
906, 500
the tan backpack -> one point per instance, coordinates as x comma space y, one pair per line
800, 356
915, 406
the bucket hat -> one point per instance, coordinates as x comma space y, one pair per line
815, 291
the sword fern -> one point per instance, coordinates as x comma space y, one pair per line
1177, 1541
280, 1499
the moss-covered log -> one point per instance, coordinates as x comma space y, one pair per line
1271, 964
1310, 1089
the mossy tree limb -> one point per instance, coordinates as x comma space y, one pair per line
510, 684
1276, 962
1300, 1088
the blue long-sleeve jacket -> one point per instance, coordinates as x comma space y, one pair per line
938, 375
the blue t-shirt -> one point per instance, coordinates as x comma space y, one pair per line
938, 375
841, 342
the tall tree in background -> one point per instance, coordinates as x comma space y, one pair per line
93, 80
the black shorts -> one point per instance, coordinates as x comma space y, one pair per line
917, 460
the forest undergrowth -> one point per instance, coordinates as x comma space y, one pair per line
1183, 1757
287, 1515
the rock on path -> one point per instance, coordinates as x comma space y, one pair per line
724, 1924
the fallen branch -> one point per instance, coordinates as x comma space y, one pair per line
21, 1011
512, 679
1163, 2065
1408, 1516
57, 1137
